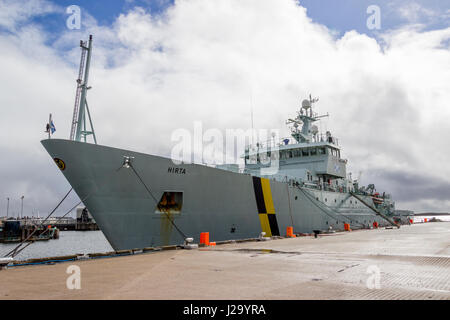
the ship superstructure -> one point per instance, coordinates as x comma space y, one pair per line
308, 157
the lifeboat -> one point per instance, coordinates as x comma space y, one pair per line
377, 199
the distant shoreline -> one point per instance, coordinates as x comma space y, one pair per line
433, 214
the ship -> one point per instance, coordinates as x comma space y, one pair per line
142, 200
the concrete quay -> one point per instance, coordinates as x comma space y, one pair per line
412, 262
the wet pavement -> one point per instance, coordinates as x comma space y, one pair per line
412, 262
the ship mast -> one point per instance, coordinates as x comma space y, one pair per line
79, 128
305, 116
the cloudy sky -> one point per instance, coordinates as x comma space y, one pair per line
160, 65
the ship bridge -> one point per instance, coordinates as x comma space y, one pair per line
306, 155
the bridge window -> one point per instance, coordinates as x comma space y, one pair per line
332, 151
264, 157
313, 151
305, 152
321, 150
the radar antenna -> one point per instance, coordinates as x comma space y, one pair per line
305, 117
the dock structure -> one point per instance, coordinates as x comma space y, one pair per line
81, 223
407, 263
12, 231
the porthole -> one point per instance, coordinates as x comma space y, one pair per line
334, 200
325, 199
296, 197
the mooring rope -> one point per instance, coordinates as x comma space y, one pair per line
289, 202
36, 227
16, 250
156, 201
323, 210
376, 211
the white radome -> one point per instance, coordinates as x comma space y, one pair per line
306, 104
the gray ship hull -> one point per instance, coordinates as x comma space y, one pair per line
226, 204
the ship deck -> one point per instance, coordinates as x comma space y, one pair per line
413, 263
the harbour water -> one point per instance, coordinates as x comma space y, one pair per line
69, 242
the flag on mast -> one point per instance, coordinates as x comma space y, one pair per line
52, 127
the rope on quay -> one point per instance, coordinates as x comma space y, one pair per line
14, 252
115, 254
127, 164
336, 213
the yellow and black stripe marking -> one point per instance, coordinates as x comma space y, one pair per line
266, 210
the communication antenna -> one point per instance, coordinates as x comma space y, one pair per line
313, 100
359, 176
251, 114
79, 129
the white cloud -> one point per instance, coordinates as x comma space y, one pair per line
13, 12
205, 60
413, 12
420, 13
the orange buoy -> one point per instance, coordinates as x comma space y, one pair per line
375, 225
212, 244
347, 227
